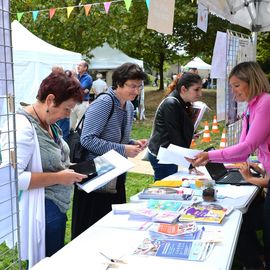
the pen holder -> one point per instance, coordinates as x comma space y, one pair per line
209, 191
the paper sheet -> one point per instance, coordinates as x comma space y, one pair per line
176, 155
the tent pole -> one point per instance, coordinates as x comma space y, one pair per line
254, 41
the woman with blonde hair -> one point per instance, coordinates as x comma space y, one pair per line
249, 84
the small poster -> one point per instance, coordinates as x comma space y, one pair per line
161, 15
202, 20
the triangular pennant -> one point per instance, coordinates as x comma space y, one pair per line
69, 10
147, 3
35, 14
87, 9
107, 6
19, 15
52, 12
128, 3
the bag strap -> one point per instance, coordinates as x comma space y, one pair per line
109, 117
112, 108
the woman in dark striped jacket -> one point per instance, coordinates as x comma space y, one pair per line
103, 131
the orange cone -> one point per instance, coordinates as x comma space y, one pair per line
193, 143
223, 141
215, 125
206, 133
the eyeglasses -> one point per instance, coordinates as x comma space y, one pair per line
134, 86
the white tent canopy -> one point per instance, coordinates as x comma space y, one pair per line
197, 63
107, 58
33, 60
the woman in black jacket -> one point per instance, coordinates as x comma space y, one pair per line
173, 124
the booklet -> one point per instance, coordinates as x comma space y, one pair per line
198, 109
165, 193
202, 214
179, 249
105, 171
92, 168
162, 205
180, 231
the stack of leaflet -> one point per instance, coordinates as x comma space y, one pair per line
179, 249
181, 231
166, 193
142, 214
158, 211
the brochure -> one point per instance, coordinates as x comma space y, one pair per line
165, 193
198, 109
164, 205
105, 171
179, 249
181, 231
202, 214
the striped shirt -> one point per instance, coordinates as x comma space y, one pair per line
100, 135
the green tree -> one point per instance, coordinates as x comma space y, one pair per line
124, 30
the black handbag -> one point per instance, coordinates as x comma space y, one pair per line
77, 151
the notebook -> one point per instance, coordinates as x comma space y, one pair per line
221, 175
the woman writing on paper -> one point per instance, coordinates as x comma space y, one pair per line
249, 84
44, 180
173, 123
103, 132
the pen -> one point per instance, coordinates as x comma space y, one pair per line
111, 260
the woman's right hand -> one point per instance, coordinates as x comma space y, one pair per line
132, 150
68, 177
200, 159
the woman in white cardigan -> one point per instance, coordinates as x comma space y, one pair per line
44, 180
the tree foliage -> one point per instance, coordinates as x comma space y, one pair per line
124, 30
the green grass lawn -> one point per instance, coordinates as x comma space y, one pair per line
142, 129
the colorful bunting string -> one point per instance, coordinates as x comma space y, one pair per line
87, 8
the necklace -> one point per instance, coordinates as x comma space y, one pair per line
46, 127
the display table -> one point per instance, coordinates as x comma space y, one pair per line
238, 197
84, 251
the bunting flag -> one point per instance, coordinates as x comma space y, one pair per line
147, 3
128, 3
35, 14
69, 10
107, 6
52, 12
19, 15
87, 9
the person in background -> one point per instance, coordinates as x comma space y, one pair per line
99, 86
86, 82
43, 166
193, 70
64, 123
173, 123
141, 104
249, 84
99, 135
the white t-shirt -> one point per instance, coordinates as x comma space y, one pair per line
99, 86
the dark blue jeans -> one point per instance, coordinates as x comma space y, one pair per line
55, 227
161, 170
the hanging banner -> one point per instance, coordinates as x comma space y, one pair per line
161, 15
202, 19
